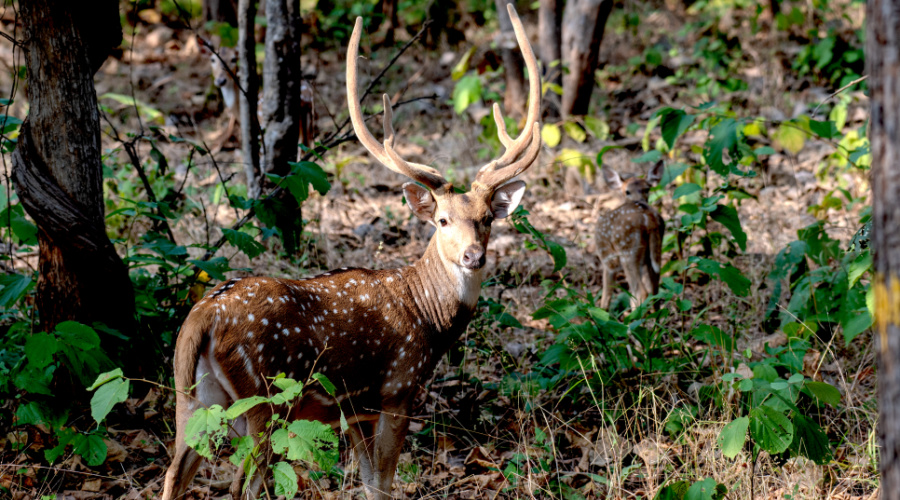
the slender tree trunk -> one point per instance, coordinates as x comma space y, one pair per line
549, 29
223, 11
514, 101
56, 166
582, 31
248, 98
883, 61
388, 10
282, 77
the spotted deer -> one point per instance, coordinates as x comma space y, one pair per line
630, 237
377, 334
224, 80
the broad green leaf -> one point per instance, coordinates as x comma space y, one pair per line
713, 336
790, 137
551, 135
674, 122
824, 392
214, 267
243, 446
91, 447
326, 384
244, 405
40, 348
825, 130
14, 287
723, 136
575, 131
728, 217
205, 429
463, 65
285, 479
244, 242
673, 491
303, 174
707, 489
106, 377
685, 189
466, 92
603, 151
771, 430
312, 441
597, 127
143, 108
106, 396
732, 276
77, 335
733, 436
558, 253
810, 440
858, 267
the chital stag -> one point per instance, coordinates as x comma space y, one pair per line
377, 335
630, 237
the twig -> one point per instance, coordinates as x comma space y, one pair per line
838, 91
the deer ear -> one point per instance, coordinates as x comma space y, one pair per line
506, 198
656, 173
420, 201
611, 177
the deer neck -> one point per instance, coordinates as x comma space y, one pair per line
445, 293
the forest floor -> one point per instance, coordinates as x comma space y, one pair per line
468, 427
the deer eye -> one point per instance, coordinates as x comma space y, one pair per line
443, 222
627, 191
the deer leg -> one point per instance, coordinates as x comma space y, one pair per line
633, 277
256, 423
186, 461
607, 287
390, 431
361, 441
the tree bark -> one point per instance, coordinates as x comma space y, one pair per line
57, 169
248, 95
282, 80
549, 26
515, 99
883, 61
388, 10
223, 11
582, 32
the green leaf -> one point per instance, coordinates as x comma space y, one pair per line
303, 174
771, 429
312, 441
713, 336
244, 242
285, 479
106, 377
91, 447
214, 267
825, 130
603, 151
144, 109
14, 287
790, 136
674, 122
733, 436
575, 131
597, 127
732, 276
824, 392
728, 217
673, 491
206, 428
859, 266
466, 92
290, 390
22, 228
558, 253
244, 405
685, 189
40, 348
810, 440
551, 135
723, 136
707, 489
106, 396
326, 384
463, 65
77, 335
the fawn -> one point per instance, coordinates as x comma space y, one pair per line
226, 82
631, 237
377, 334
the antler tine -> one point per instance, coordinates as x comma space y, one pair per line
526, 139
385, 154
493, 175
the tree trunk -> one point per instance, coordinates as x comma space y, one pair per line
515, 100
582, 32
57, 170
223, 11
248, 94
388, 11
883, 61
549, 24
282, 77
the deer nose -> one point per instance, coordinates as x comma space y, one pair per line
474, 257
220, 81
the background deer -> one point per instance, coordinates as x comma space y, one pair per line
631, 237
378, 335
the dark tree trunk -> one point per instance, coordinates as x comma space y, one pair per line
223, 11
282, 77
883, 61
248, 95
56, 166
514, 101
549, 29
388, 11
582, 31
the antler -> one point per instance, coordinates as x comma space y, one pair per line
503, 169
385, 154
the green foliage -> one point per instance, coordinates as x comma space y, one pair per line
705, 489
